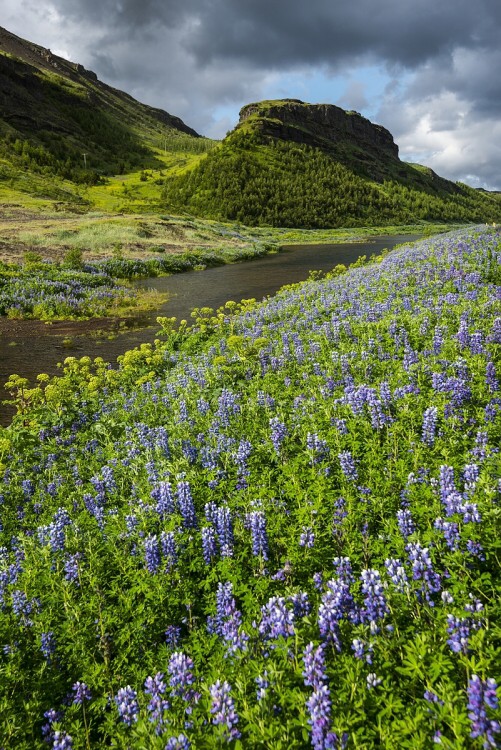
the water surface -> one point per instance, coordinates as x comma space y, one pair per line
27, 352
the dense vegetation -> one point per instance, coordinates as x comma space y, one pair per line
258, 180
66, 124
278, 529
48, 291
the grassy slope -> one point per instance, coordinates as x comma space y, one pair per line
52, 112
259, 179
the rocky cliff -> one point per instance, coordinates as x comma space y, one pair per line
346, 135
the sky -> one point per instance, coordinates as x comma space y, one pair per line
428, 70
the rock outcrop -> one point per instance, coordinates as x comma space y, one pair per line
346, 135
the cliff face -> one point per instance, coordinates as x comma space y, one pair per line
346, 135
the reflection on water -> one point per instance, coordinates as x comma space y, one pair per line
28, 355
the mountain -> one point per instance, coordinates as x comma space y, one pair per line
57, 118
288, 163
70, 140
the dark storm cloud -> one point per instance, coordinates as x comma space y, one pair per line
280, 33
127, 14
284, 32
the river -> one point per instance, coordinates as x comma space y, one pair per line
26, 352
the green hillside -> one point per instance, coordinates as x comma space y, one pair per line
292, 164
59, 123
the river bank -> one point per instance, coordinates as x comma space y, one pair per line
29, 347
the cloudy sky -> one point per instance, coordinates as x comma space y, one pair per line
428, 70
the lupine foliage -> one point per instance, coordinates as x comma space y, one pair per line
277, 529
45, 290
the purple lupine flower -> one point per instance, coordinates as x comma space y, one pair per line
348, 466
373, 680
224, 606
164, 497
131, 522
71, 568
181, 742
52, 717
479, 451
300, 604
463, 335
428, 431
405, 523
317, 447
257, 522
181, 675
432, 697
209, 545
243, 452
475, 549
224, 528
278, 433
186, 505
169, 551
210, 510
228, 620
397, 574
344, 571
375, 606
307, 538
152, 554
172, 636
234, 637
337, 603
459, 630
341, 426
48, 645
81, 693
471, 473
28, 488
127, 705
495, 336
155, 687
61, 741
474, 605
482, 695
491, 379
453, 503
314, 666
470, 513
276, 620
223, 710
319, 708
362, 650
446, 482
438, 339
338, 517
263, 685
450, 531
318, 581
227, 405
422, 570
477, 342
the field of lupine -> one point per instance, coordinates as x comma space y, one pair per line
46, 291
279, 529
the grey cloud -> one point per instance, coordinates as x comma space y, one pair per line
283, 32
127, 14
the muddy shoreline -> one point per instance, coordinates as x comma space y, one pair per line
10, 329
